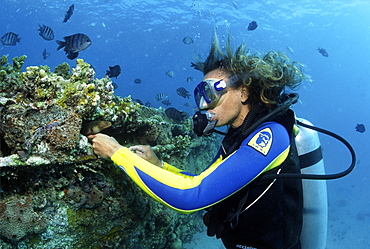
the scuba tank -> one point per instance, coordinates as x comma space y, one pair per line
315, 206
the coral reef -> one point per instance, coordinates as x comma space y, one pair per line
87, 205
17, 218
54, 192
42, 112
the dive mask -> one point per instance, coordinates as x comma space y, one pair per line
208, 92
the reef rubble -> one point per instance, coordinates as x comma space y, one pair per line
54, 192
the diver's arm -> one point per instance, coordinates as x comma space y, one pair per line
189, 193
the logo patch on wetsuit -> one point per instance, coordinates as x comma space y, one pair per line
262, 141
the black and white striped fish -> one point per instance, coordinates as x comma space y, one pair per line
10, 39
175, 114
46, 32
74, 43
161, 96
183, 92
166, 102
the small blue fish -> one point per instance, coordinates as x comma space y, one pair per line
360, 128
252, 26
187, 40
69, 13
170, 74
323, 52
189, 79
45, 54
114, 71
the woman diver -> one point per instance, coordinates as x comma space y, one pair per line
245, 208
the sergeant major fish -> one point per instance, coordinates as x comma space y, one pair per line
183, 92
69, 13
175, 114
161, 96
166, 102
46, 32
10, 39
74, 43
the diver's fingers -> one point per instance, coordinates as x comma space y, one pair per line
140, 149
91, 137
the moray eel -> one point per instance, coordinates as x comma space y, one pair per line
94, 127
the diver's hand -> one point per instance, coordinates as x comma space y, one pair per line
104, 146
146, 152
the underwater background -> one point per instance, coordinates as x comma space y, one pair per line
146, 38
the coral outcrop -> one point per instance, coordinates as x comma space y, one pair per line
54, 192
18, 218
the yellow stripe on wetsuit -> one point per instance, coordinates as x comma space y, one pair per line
186, 193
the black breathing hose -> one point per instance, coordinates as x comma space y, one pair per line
314, 176
288, 100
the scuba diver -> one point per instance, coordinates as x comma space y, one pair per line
247, 204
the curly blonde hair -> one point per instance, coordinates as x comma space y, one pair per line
266, 77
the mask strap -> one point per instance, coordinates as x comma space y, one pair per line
233, 79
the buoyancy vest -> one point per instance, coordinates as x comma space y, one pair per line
275, 220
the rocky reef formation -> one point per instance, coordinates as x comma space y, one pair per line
54, 192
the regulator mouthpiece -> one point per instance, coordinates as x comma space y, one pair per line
202, 126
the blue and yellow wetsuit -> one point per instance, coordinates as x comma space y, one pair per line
264, 149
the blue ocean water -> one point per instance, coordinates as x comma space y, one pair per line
146, 39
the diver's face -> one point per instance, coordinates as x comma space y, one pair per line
230, 109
